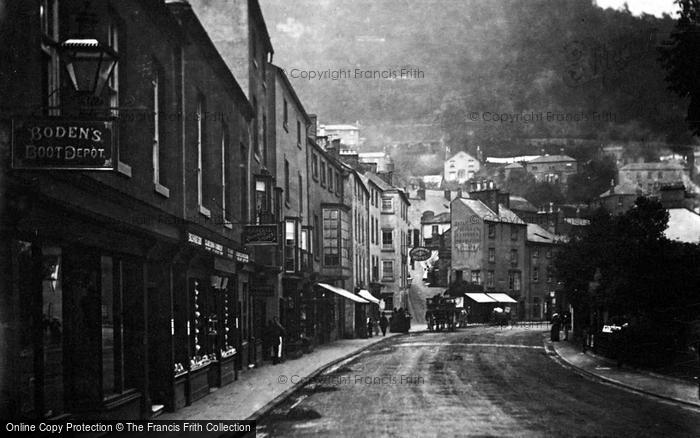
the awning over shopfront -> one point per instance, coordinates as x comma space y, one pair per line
343, 293
480, 298
364, 293
502, 298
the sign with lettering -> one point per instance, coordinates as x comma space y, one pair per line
56, 143
242, 257
420, 254
260, 234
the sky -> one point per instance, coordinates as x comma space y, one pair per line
654, 7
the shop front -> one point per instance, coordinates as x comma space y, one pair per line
75, 313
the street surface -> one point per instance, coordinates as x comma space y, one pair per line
478, 381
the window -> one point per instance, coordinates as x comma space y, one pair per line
490, 279
514, 281
256, 129
331, 237
514, 257
492, 255
244, 183
323, 173
548, 253
476, 277
301, 192
513, 232
285, 115
263, 201
201, 139
338, 186
387, 239
535, 274
492, 231
225, 176
299, 134
314, 165
290, 242
460, 173
435, 231
264, 138
550, 274
48, 11
286, 182
535, 253
317, 238
330, 179
387, 270
387, 204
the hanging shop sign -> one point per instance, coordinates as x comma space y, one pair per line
62, 144
420, 254
260, 234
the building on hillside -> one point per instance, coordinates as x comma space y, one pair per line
513, 169
460, 168
394, 227
522, 159
683, 225
377, 162
650, 177
524, 209
349, 135
543, 292
618, 199
488, 243
554, 169
432, 228
433, 182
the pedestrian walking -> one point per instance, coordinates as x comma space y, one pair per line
556, 327
383, 323
566, 321
278, 334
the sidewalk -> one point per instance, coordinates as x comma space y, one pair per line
668, 388
256, 389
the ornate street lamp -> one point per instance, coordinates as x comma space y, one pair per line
88, 62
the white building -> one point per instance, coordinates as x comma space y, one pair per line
461, 167
349, 135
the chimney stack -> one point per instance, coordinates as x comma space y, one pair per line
311, 132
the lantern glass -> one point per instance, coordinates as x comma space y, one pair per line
89, 64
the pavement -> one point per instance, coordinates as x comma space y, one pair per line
259, 389
605, 370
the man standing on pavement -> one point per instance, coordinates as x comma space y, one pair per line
278, 339
556, 326
383, 323
566, 320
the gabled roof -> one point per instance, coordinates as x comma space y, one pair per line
623, 189
521, 204
552, 159
486, 214
514, 166
460, 153
442, 218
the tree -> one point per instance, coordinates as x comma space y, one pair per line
680, 56
592, 179
544, 193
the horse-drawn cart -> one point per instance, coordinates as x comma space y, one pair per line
441, 313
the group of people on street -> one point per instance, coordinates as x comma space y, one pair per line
558, 322
400, 320
374, 325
